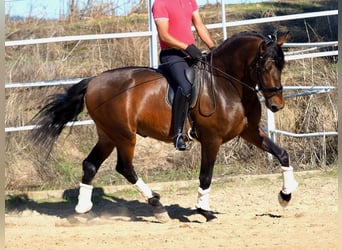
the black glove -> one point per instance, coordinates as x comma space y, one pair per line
194, 52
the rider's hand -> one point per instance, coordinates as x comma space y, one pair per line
194, 52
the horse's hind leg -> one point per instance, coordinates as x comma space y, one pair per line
125, 167
91, 165
258, 137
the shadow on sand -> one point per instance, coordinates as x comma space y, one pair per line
104, 206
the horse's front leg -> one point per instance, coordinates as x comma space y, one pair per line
209, 152
259, 138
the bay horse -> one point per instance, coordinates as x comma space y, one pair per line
127, 101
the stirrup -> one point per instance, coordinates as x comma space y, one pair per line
179, 142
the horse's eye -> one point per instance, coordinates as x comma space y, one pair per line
279, 62
268, 65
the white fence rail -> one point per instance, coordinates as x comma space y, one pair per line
149, 33
152, 34
270, 116
308, 90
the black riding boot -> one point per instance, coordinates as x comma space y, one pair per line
180, 111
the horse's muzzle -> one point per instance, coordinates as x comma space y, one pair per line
275, 103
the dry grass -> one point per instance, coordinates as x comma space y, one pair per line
24, 166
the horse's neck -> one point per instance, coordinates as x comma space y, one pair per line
238, 64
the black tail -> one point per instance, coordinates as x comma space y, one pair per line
59, 110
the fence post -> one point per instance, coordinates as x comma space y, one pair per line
224, 24
270, 128
153, 38
270, 124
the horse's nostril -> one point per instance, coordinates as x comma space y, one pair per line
274, 108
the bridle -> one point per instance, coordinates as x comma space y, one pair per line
259, 59
260, 81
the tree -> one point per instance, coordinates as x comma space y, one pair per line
72, 8
140, 7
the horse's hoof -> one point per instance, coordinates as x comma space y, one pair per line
161, 216
284, 199
208, 215
159, 211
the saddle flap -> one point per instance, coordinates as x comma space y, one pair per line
190, 74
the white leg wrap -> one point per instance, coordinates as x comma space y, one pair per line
289, 182
84, 199
203, 199
141, 186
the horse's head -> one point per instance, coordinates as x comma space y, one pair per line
267, 68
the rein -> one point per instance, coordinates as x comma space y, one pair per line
228, 76
257, 64
258, 69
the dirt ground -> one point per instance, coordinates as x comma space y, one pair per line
249, 217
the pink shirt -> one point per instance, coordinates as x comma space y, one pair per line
179, 13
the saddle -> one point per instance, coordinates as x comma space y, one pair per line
191, 75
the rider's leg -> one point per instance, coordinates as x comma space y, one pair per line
180, 111
175, 65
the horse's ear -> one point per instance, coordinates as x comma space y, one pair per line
282, 39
